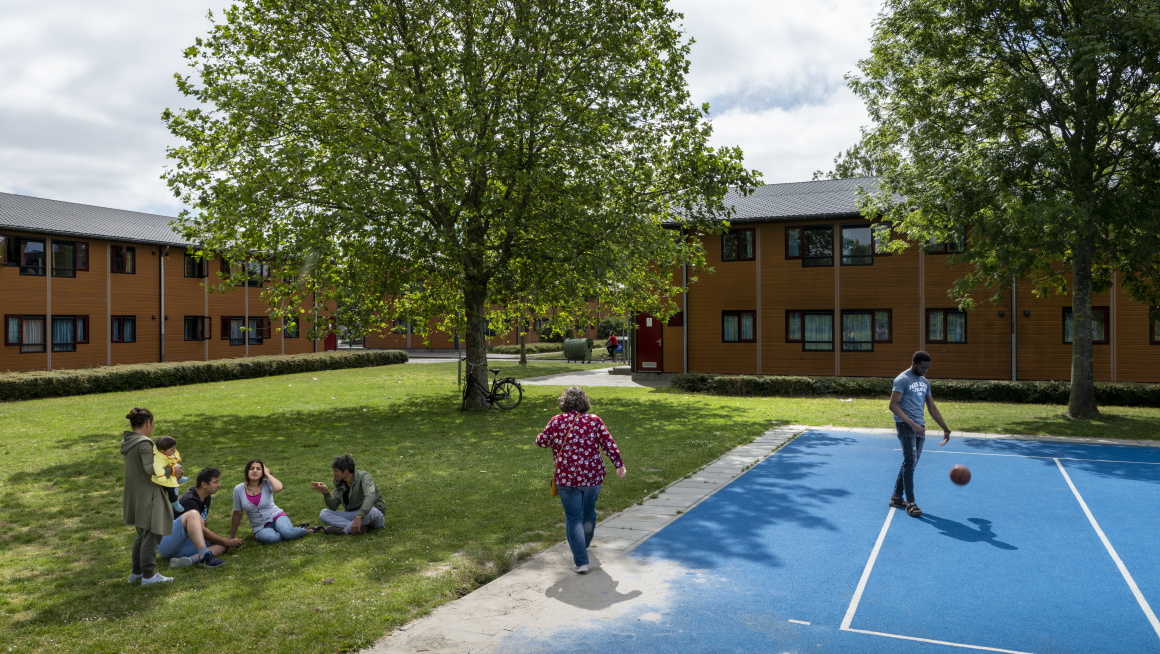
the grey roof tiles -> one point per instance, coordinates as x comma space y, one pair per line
817, 199
25, 213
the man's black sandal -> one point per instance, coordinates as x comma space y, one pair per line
913, 511
897, 503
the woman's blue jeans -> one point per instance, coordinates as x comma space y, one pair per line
282, 529
911, 451
579, 518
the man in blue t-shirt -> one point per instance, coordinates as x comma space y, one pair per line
908, 398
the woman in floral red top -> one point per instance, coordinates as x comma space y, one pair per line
576, 438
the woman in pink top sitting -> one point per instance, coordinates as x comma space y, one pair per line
576, 438
255, 497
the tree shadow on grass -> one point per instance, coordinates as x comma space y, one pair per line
734, 523
453, 482
1126, 462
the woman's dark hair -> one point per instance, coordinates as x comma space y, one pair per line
574, 399
138, 417
246, 471
344, 462
166, 442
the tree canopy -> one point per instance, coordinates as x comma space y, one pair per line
464, 161
1030, 130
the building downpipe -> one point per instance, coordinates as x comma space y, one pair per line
161, 284
1014, 334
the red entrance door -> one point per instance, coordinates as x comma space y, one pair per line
649, 351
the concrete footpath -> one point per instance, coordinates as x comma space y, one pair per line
543, 592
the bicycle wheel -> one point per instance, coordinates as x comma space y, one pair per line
508, 394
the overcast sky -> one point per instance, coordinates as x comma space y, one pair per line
83, 85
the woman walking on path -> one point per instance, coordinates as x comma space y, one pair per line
255, 497
145, 505
576, 438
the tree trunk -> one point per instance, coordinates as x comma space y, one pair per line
1082, 403
523, 348
475, 341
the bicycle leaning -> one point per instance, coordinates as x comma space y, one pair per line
505, 393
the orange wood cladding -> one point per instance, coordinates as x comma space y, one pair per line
906, 287
101, 294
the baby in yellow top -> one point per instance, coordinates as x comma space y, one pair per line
165, 457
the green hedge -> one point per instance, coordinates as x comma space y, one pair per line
57, 383
1020, 392
533, 348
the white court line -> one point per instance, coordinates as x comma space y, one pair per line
936, 642
1031, 456
1111, 550
799, 622
862, 587
866, 573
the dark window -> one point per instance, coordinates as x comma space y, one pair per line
857, 331
946, 326
793, 326
818, 331
738, 326
817, 246
862, 328
234, 328
954, 246
28, 253
1099, 326
197, 328
737, 245
813, 329
883, 327
124, 259
257, 272
68, 331
195, 267
27, 332
4, 248
793, 242
290, 327
677, 320
881, 233
124, 329
1154, 325
400, 326
259, 330
68, 258
857, 246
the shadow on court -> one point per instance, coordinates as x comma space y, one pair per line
1108, 461
980, 534
731, 524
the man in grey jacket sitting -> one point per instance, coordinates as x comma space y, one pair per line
355, 491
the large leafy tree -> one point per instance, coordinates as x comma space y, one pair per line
1030, 129
463, 161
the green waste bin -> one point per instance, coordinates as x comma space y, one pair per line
578, 349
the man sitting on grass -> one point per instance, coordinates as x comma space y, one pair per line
187, 544
355, 490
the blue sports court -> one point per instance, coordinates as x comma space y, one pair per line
1050, 548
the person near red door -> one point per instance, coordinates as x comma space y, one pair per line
577, 438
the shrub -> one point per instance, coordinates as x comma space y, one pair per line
58, 383
533, 348
1017, 392
611, 325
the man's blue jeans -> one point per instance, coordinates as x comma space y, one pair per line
911, 451
579, 518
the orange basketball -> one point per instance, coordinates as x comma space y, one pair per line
960, 475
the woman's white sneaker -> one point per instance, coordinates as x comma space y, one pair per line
157, 578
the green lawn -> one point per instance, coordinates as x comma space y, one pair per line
466, 497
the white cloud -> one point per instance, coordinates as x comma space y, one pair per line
83, 85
